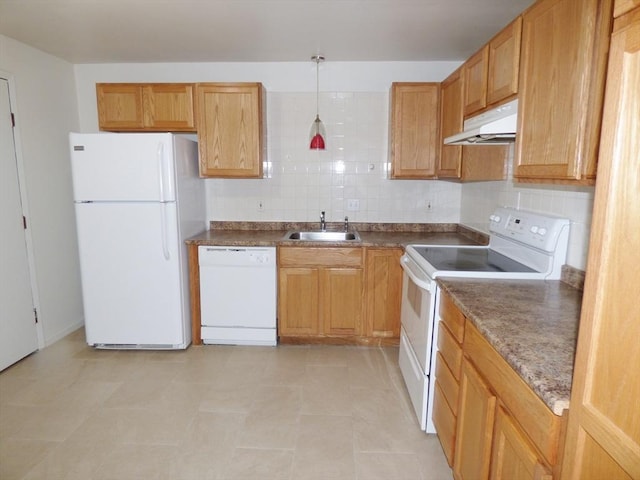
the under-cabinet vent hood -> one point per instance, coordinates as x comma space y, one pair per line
494, 127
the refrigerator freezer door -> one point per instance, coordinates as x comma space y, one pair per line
130, 266
122, 167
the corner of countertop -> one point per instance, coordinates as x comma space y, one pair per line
573, 277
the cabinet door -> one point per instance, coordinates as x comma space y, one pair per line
562, 68
451, 122
414, 136
603, 436
342, 301
169, 107
512, 455
120, 106
624, 6
504, 63
384, 292
230, 129
298, 301
476, 411
475, 81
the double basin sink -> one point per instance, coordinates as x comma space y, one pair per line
322, 236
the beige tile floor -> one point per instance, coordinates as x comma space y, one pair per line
211, 413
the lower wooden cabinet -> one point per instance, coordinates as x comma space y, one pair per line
512, 455
448, 367
504, 431
320, 292
339, 295
491, 425
476, 410
384, 292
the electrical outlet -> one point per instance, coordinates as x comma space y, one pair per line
353, 205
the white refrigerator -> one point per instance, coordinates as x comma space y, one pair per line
137, 198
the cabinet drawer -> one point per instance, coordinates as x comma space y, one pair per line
450, 350
448, 383
445, 423
535, 418
452, 317
321, 256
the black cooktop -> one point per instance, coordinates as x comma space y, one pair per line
469, 260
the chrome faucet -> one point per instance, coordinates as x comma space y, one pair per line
346, 224
323, 223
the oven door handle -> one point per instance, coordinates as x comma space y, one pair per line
415, 274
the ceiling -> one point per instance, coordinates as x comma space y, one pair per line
113, 31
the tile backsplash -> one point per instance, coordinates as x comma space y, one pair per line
574, 203
349, 178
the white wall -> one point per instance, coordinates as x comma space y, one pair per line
574, 203
46, 111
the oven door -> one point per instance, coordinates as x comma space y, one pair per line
418, 311
417, 317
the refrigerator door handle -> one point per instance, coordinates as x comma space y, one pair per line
163, 231
161, 170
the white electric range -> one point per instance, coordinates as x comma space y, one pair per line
522, 245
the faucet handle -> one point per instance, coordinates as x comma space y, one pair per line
346, 223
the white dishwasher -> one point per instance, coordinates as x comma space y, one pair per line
238, 295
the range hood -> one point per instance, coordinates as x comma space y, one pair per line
494, 127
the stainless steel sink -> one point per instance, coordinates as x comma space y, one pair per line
318, 236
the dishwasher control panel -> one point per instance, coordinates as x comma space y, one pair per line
236, 256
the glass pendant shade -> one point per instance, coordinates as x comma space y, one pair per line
317, 133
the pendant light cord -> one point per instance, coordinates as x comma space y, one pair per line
317, 87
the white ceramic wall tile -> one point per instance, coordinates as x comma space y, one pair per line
302, 182
575, 203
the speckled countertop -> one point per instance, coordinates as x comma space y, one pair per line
533, 324
371, 235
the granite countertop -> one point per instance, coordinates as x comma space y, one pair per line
371, 235
533, 324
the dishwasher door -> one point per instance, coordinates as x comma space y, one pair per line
238, 295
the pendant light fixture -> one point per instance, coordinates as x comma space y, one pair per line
317, 133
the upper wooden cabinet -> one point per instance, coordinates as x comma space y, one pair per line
465, 163
231, 129
562, 71
504, 63
414, 126
490, 76
145, 107
475, 81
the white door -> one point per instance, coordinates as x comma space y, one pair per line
18, 335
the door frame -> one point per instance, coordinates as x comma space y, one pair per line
22, 185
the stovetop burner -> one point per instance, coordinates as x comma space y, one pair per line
469, 260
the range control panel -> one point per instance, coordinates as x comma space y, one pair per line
531, 228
